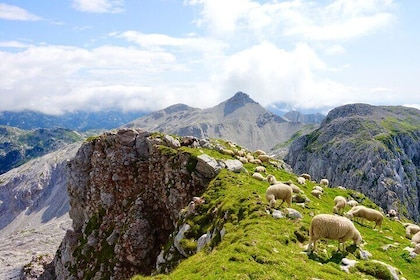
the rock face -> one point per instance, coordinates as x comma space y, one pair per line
374, 150
239, 119
33, 210
126, 190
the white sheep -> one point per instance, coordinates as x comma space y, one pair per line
295, 188
306, 176
339, 204
366, 213
316, 193
271, 179
352, 203
259, 152
301, 180
324, 182
392, 213
319, 188
279, 191
264, 158
341, 188
258, 176
332, 227
416, 238
260, 169
411, 229
227, 152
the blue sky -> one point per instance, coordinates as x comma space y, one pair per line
59, 56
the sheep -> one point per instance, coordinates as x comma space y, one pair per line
341, 188
279, 191
258, 176
306, 176
264, 158
368, 214
332, 227
411, 229
259, 152
271, 179
301, 180
339, 204
260, 169
352, 203
295, 188
324, 182
316, 193
227, 152
392, 213
416, 238
319, 188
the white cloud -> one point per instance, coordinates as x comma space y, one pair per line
339, 20
10, 12
99, 6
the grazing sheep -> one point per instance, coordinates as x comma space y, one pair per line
272, 179
352, 203
279, 191
316, 193
319, 188
227, 152
260, 169
416, 238
259, 152
306, 176
411, 229
341, 188
392, 213
264, 158
301, 180
339, 204
332, 227
368, 214
295, 188
324, 182
258, 176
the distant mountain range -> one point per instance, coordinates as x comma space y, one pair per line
239, 119
79, 120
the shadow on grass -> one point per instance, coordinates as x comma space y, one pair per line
335, 256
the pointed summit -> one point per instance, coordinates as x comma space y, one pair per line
239, 100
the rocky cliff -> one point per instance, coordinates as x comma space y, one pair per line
126, 190
372, 149
239, 119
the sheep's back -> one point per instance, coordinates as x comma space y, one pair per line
330, 227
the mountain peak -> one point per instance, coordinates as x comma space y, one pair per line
237, 101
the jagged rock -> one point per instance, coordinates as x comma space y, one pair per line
203, 241
293, 214
234, 165
126, 189
347, 264
207, 166
278, 214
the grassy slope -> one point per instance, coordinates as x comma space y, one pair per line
258, 246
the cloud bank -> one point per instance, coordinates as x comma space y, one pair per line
277, 52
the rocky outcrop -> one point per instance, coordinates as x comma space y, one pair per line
126, 190
374, 150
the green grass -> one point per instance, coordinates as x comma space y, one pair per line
258, 246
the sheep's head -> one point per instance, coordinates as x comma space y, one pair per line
357, 237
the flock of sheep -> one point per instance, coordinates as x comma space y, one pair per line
335, 226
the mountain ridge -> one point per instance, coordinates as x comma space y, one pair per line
372, 149
239, 119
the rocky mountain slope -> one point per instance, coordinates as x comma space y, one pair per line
372, 149
176, 207
78, 120
239, 119
18, 146
33, 210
